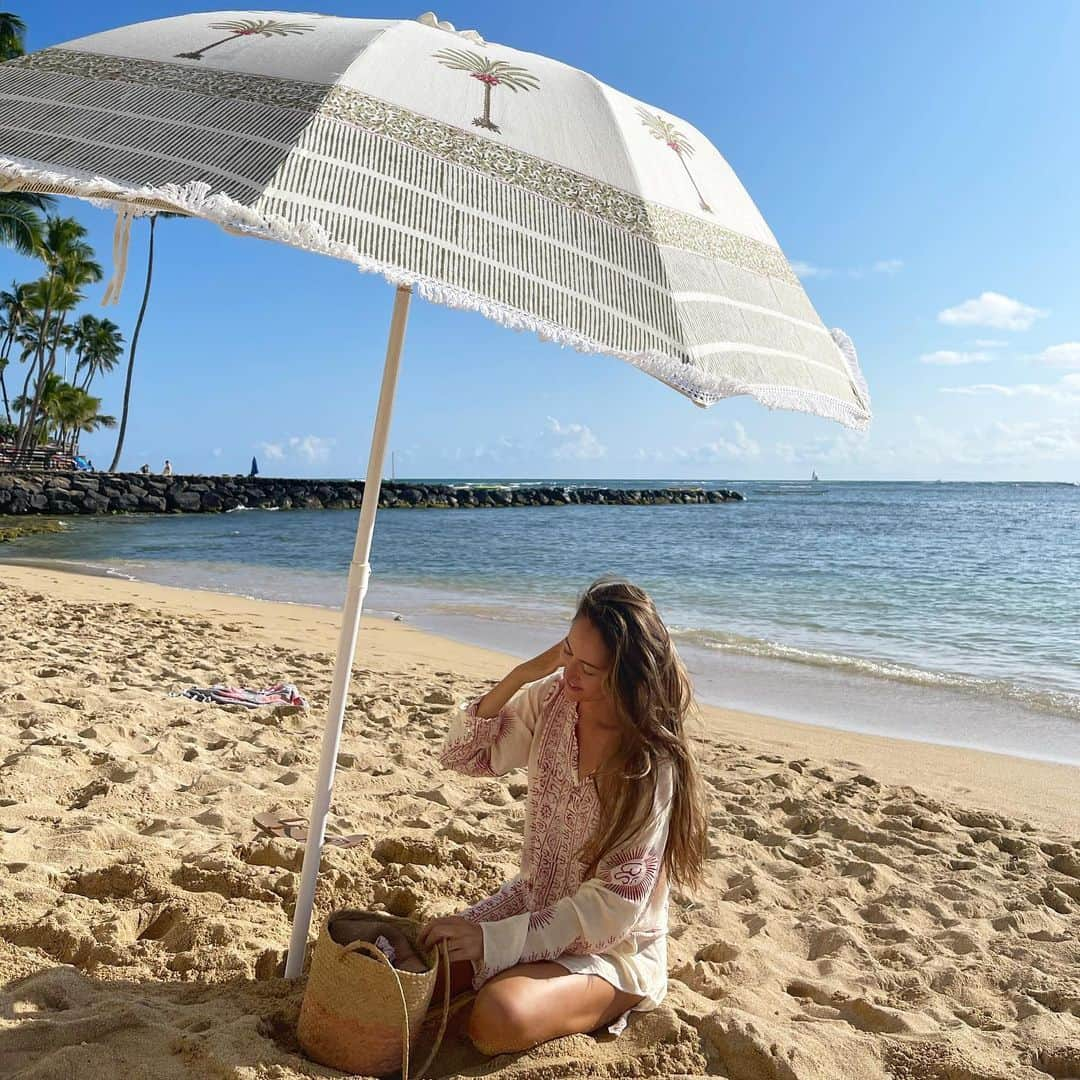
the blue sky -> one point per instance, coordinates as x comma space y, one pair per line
918, 162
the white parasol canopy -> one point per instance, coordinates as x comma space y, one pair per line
474, 174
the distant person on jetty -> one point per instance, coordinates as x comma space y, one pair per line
145, 470
614, 814
166, 469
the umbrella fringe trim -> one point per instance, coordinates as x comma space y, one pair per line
199, 200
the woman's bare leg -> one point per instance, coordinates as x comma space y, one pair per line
461, 975
531, 1003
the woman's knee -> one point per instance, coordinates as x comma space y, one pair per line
501, 1020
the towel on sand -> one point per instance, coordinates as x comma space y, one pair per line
279, 694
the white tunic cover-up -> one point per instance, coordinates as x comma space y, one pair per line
613, 924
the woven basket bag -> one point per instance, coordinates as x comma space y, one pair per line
360, 1014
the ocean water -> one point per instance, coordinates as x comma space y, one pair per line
948, 612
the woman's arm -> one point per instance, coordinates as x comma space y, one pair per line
603, 910
530, 671
493, 735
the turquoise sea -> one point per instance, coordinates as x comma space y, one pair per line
941, 611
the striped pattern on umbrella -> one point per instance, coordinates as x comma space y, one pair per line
563, 207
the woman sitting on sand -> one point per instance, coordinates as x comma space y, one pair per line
614, 812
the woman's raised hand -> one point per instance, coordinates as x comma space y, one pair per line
543, 665
528, 672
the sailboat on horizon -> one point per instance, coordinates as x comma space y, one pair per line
814, 476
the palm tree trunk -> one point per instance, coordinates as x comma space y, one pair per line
25, 399
198, 54
134, 346
3, 389
26, 438
5, 357
700, 198
39, 388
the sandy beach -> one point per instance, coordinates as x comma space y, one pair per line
874, 907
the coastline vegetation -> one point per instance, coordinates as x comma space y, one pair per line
12, 528
50, 354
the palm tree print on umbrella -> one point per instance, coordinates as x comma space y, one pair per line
491, 73
247, 28
668, 133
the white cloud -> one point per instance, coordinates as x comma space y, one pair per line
949, 358
843, 448
274, 451
989, 343
992, 309
1000, 443
1003, 443
736, 446
217, 451
311, 447
1066, 355
573, 441
807, 270
1066, 389
882, 266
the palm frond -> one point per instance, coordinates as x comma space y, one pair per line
666, 132
12, 32
515, 78
21, 227
266, 27
462, 60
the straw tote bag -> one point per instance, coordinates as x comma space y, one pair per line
360, 1014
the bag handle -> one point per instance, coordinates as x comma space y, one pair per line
376, 953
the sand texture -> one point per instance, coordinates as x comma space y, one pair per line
856, 922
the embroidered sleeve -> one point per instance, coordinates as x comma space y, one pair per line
509, 900
492, 746
603, 911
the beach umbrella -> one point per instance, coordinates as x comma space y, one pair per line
470, 173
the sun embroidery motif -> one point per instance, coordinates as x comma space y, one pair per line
631, 874
677, 142
491, 73
247, 28
540, 918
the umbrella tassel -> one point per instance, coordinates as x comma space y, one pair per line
121, 240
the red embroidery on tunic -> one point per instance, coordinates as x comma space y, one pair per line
471, 755
562, 815
631, 874
540, 918
508, 901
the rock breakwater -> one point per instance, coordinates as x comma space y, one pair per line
60, 494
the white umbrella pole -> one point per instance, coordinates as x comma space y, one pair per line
357, 585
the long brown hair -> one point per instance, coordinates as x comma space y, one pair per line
653, 699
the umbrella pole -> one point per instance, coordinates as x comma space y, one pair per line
355, 590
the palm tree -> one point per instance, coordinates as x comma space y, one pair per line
12, 30
70, 264
668, 133
98, 344
246, 28
135, 341
491, 73
20, 223
75, 412
48, 395
20, 220
14, 311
